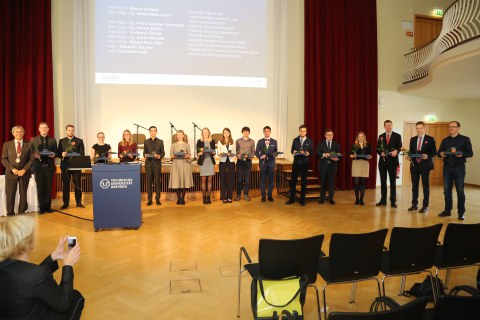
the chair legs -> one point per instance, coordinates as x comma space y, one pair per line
403, 281
318, 300
352, 293
240, 271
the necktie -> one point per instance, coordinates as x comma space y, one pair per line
45, 145
419, 147
301, 142
19, 147
329, 146
267, 142
388, 138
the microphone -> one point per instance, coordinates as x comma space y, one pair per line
172, 126
140, 126
197, 126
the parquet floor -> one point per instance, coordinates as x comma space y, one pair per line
129, 274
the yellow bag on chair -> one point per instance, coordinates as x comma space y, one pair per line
281, 295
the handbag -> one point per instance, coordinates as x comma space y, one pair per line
279, 299
424, 289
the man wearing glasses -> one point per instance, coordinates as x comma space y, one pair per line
455, 149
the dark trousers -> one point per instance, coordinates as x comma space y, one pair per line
153, 175
267, 173
44, 178
451, 174
227, 179
302, 171
389, 168
416, 172
11, 192
244, 168
327, 180
67, 176
74, 310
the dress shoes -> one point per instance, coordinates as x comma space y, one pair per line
270, 199
444, 214
225, 201
380, 204
423, 210
461, 216
229, 200
158, 202
238, 198
413, 208
331, 201
10, 214
362, 203
290, 202
80, 205
41, 211
263, 199
302, 203
393, 205
149, 203
49, 210
246, 197
65, 206
357, 202
321, 201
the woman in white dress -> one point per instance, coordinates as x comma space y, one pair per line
181, 174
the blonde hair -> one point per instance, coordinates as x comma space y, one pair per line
124, 142
16, 236
183, 139
209, 134
365, 143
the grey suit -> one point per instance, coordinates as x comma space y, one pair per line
12, 181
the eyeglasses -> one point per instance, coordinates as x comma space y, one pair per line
452, 126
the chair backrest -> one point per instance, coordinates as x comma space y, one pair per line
411, 311
356, 256
413, 249
456, 308
461, 244
216, 137
279, 259
139, 138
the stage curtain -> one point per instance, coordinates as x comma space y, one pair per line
26, 75
341, 76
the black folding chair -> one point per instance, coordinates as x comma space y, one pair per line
460, 249
279, 259
411, 311
352, 258
455, 308
411, 251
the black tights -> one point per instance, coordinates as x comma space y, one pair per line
359, 187
207, 186
181, 193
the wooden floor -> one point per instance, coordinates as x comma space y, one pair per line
128, 274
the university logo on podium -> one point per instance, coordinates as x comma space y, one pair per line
104, 183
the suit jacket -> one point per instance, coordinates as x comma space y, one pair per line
153, 145
200, 144
29, 291
9, 155
428, 147
395, 143
323, 148
76, 145
38, 146
297, 146
262, 149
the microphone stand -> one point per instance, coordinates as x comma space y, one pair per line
195, 140
172, 127
138, 126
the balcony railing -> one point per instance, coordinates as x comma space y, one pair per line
461, 23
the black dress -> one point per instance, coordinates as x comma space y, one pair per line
101, 151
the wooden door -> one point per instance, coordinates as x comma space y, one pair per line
426, 28
438, 130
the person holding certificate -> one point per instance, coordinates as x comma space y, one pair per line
360, 153
153, 152
329, 153
245, 153
101, 152
127, 147
181, 177
265, 152
226, 150
206, 161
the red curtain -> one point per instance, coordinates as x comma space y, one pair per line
341, 76
26, 76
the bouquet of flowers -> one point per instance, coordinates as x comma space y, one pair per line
245, 156
405, 152
355, 147
381, 148
71, 147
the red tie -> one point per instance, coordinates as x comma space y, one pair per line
19, 147
419, 147
388, 138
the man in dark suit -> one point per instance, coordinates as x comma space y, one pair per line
265, 152
389, 145
420, 167
17, 157
327, 165
153, 147
67, 145
302, 148
44, 167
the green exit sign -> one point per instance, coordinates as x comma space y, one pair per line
438, 12
432, 117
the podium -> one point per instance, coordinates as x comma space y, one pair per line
116, 196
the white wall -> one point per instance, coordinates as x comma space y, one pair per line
468, 114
